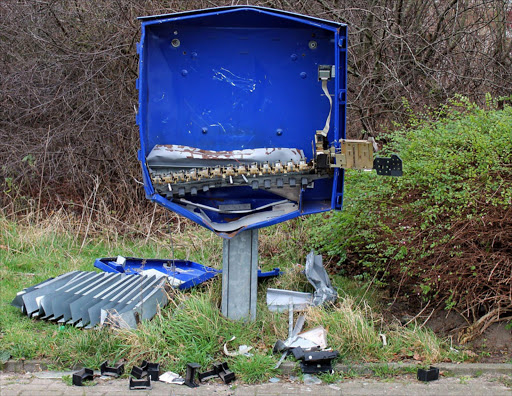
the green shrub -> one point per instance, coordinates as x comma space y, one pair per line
440, 230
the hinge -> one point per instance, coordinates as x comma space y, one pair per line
354, 154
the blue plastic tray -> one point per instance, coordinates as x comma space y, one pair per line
188, 272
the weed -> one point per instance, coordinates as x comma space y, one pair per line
331, 378
464, 379
68, 380
507, 381
190, 328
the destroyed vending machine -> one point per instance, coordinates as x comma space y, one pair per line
242, 118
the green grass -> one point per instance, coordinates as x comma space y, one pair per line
190, 328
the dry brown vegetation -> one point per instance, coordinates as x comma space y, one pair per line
68, 70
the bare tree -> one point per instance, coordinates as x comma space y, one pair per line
68, 70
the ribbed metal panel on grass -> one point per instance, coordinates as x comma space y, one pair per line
86, 299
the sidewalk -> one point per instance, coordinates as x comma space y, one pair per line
48, 383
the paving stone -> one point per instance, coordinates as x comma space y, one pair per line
9, 392
14, 384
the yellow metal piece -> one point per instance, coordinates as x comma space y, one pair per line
204, 173
254, 170
290, 166
353, 154
265, 168
179, 176
192, 174
303, 166
229, 171
278, 167
242, 170
217, 171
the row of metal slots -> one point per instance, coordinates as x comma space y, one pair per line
230, 171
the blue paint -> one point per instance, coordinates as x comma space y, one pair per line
189, 272
236, 78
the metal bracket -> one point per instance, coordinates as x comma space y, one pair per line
191, 374
220, 370
352, 154
427, 375
85, 374
112, 371
388, 166
136, 384
147, 369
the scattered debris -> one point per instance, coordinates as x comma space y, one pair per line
220, 370
279, 300
138, 384
315, 337
172, 378
313, 362
293, 331
181, 274
274, 380
111, 371
269, 274
311, 380
427, 375
86, 299
191, 374
82, 375
146, 369
242, 349
384, 339
317, 276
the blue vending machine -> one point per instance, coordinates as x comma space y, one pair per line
242, 118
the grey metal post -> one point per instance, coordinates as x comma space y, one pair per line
240, 276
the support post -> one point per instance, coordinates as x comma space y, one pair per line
240, 276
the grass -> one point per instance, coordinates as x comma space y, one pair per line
190, 328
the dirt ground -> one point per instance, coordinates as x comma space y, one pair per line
493, 346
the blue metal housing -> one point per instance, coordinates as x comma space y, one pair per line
236, 78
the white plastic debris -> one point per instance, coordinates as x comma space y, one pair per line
318, 336
383, 338
152, 272
242, 349
172, 378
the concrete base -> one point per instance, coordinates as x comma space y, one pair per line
240, 276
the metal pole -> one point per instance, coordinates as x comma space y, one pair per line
240, 276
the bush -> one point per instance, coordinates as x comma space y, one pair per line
443, 231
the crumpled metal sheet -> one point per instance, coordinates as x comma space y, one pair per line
85, 299
281, 300
180, 157
317, 276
